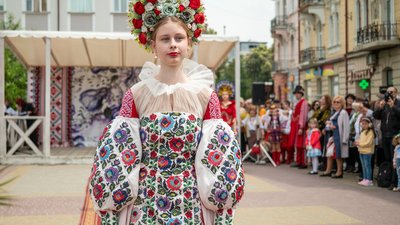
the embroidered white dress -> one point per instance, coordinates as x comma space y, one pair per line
168, 158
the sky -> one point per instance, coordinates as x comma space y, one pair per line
248, 19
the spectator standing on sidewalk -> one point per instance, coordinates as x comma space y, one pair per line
396, 160
298, 129
339, 125
389, 114
366, 147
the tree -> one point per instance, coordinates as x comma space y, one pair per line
15, 72
209, 30
254, 67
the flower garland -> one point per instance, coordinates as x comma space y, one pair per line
145, 14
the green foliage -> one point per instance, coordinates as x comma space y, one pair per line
209, 30
15, 72
254, 67
4, 197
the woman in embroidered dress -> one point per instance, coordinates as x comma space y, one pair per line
228, 107
168, 158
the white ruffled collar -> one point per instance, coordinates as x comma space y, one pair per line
199, 77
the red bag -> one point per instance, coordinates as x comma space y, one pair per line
255, 150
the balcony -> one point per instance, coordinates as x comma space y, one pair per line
283, 65
307, 3
312, 55
279, 23
377, 36
312, 7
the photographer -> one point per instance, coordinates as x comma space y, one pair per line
389, 114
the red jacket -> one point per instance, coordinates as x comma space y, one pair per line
313, 138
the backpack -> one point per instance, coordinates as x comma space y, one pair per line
385, 174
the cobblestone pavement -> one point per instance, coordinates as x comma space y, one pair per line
53, 195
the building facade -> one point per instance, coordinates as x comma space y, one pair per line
68, 15
349, 46
284, 30
341, 47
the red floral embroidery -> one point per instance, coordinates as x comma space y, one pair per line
213, 110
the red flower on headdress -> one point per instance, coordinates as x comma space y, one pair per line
197, 33
194, 4
199, 18
143, 38
137, 23
156, 11
181, 8
139, 8
152, 1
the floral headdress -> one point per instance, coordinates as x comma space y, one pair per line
225, 86
145, 14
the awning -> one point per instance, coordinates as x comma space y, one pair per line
93, 49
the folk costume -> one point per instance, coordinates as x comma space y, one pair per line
228, 112
298, 122
168, 158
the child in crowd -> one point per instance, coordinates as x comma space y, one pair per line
396, 160
252, 125
287, 112
273, 127
366, 146
313, 144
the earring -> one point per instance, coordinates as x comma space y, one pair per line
155, 56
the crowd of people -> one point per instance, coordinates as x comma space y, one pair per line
331, 135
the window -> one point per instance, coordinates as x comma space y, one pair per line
1, 5
388, 77
81, 5
120, 6
36, 5
334, 85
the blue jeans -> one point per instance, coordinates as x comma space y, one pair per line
398, 171
366, 166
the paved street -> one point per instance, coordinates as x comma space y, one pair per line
53, 195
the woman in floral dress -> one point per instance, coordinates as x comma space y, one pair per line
168, 158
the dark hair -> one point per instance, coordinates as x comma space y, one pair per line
350, 96
171, 19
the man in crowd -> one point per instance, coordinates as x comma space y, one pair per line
298, 127
389, 114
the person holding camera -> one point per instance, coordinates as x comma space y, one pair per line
389, 114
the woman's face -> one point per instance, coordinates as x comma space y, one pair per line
316, 106
349, 101
225, 96
336, 104
171, 44
322, 101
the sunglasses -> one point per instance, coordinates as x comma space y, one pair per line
336, 102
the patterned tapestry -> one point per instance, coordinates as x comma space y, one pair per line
96, 99
56, 106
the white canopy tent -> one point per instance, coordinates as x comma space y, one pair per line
91, 49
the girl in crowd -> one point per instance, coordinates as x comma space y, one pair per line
396, 160
273, 126
313, 144
228, 106
252, 124
168, 158
287, 112
366, 146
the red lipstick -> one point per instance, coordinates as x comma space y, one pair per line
173, 54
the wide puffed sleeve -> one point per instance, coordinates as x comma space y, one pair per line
113, 183
218, 164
